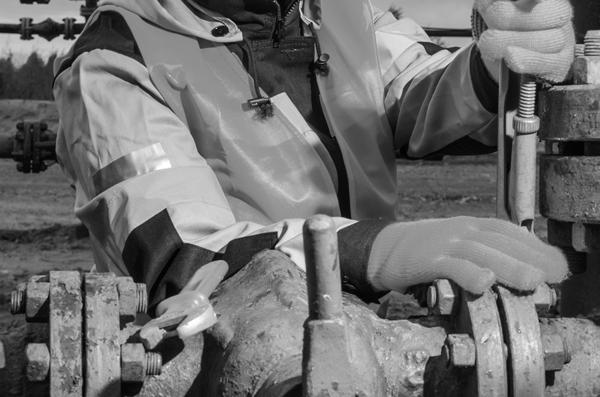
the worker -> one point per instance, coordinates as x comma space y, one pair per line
197, 130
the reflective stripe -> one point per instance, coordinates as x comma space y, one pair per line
140, 162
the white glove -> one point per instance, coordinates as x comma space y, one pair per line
535, 37
473, 252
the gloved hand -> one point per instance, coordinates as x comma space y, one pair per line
535, 37
473, 252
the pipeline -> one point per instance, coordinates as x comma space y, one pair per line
259, 345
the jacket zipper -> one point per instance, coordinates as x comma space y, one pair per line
280, 22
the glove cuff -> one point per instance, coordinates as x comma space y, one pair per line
355, 247
383, 246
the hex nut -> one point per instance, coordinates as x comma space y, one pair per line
133, 362
555, 354
38, 362
544, 297
461, 350
37, 296
586, 237
445, 297
586, 70
127, 298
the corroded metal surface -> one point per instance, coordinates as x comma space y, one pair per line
570, 188
259, 337
460, 350
556, 352
256, 347
66, 371
570, 113
102, 350
586, 70
326, 369
37, 300
38, 362
580, 377
128, 300
577, 119
133, 362
479, 317
522, 337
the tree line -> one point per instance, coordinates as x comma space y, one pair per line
31, 80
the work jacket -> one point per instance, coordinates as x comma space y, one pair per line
173, 168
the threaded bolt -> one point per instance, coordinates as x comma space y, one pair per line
141, 297
17, 302
592, 43
153, 363
579, 50
577, 261
526, 97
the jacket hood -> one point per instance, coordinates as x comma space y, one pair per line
177, 15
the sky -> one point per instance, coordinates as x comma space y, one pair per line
428, 13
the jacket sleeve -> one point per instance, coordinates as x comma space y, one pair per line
151, 202
438, 100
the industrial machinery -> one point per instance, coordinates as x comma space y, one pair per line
282, 332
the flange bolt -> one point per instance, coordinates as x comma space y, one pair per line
17, 302
153, 363
142, 297
592, 43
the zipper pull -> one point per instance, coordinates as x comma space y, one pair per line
279, 26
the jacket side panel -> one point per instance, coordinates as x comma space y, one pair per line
269, 165
352, 95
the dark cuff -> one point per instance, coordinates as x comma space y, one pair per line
485, 87
154, 254
355, 244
